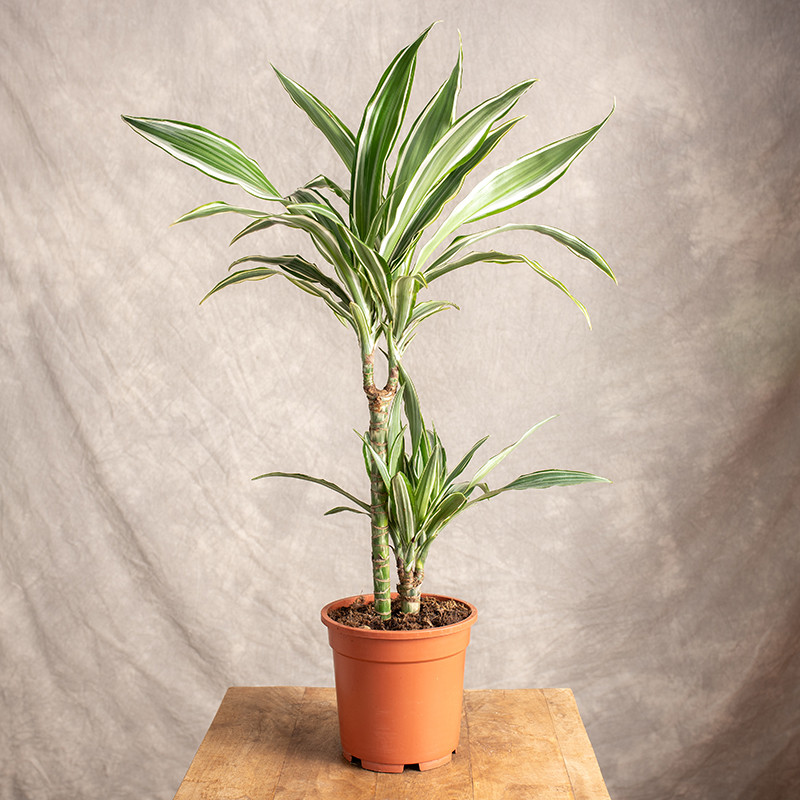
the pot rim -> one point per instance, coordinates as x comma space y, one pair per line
424, 633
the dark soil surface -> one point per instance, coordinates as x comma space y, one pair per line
433, 613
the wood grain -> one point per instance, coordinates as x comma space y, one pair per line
576, 749
314, 765
243, 753
513, 746
281, 743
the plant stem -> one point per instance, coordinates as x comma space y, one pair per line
408, 588
380, 404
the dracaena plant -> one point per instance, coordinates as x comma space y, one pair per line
373, 270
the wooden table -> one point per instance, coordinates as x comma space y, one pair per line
283, 743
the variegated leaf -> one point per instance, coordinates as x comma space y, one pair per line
212, 154
335, 131
513, 184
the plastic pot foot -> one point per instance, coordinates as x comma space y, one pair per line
375, 766
437, 762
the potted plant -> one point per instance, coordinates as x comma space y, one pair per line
382, 237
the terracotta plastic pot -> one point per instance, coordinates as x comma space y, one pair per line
399, 693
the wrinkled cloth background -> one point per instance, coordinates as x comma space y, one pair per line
142, 571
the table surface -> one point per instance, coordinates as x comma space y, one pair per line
283, 742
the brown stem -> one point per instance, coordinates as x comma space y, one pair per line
380, 404
408, 588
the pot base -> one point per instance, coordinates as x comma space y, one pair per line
423, 765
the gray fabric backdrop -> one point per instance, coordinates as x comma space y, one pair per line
142, 571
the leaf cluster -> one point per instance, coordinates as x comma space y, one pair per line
379, 237
425, 494
369, 265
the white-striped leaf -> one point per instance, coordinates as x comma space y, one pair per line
493, 256
431, 207
456, 146
212, 154
335, 131
464, 463
445, 511
577, 246
416, 426
254, 274
364, 331
421, 312
433, 121
323, 240
217, 207
300, 268
378, 461
377, 133
404, 295
478, 477
513, 184
427, 486
324, 182
402, 497
321, 481
340, 310
546, 478
543, 479
339, 509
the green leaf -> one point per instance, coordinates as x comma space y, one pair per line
537, 268
416, 426
464, 463
323, 182
380, 125
396, 451
374, 268
217, 207
254, 274
339, 509
395, 424
513, 184
213, 155
402, 496
299, 268
378, 461
421, 312
322, 482
314, 204
428, 308
339, 308
323, 240
378, 223
543, 479
342, 313
430, 209
577, 246
478, 477
433, 121
429, 481
507, 258
441, 514
453, 149
476, 257
335, 131
546, 478
404, 295
316, 210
